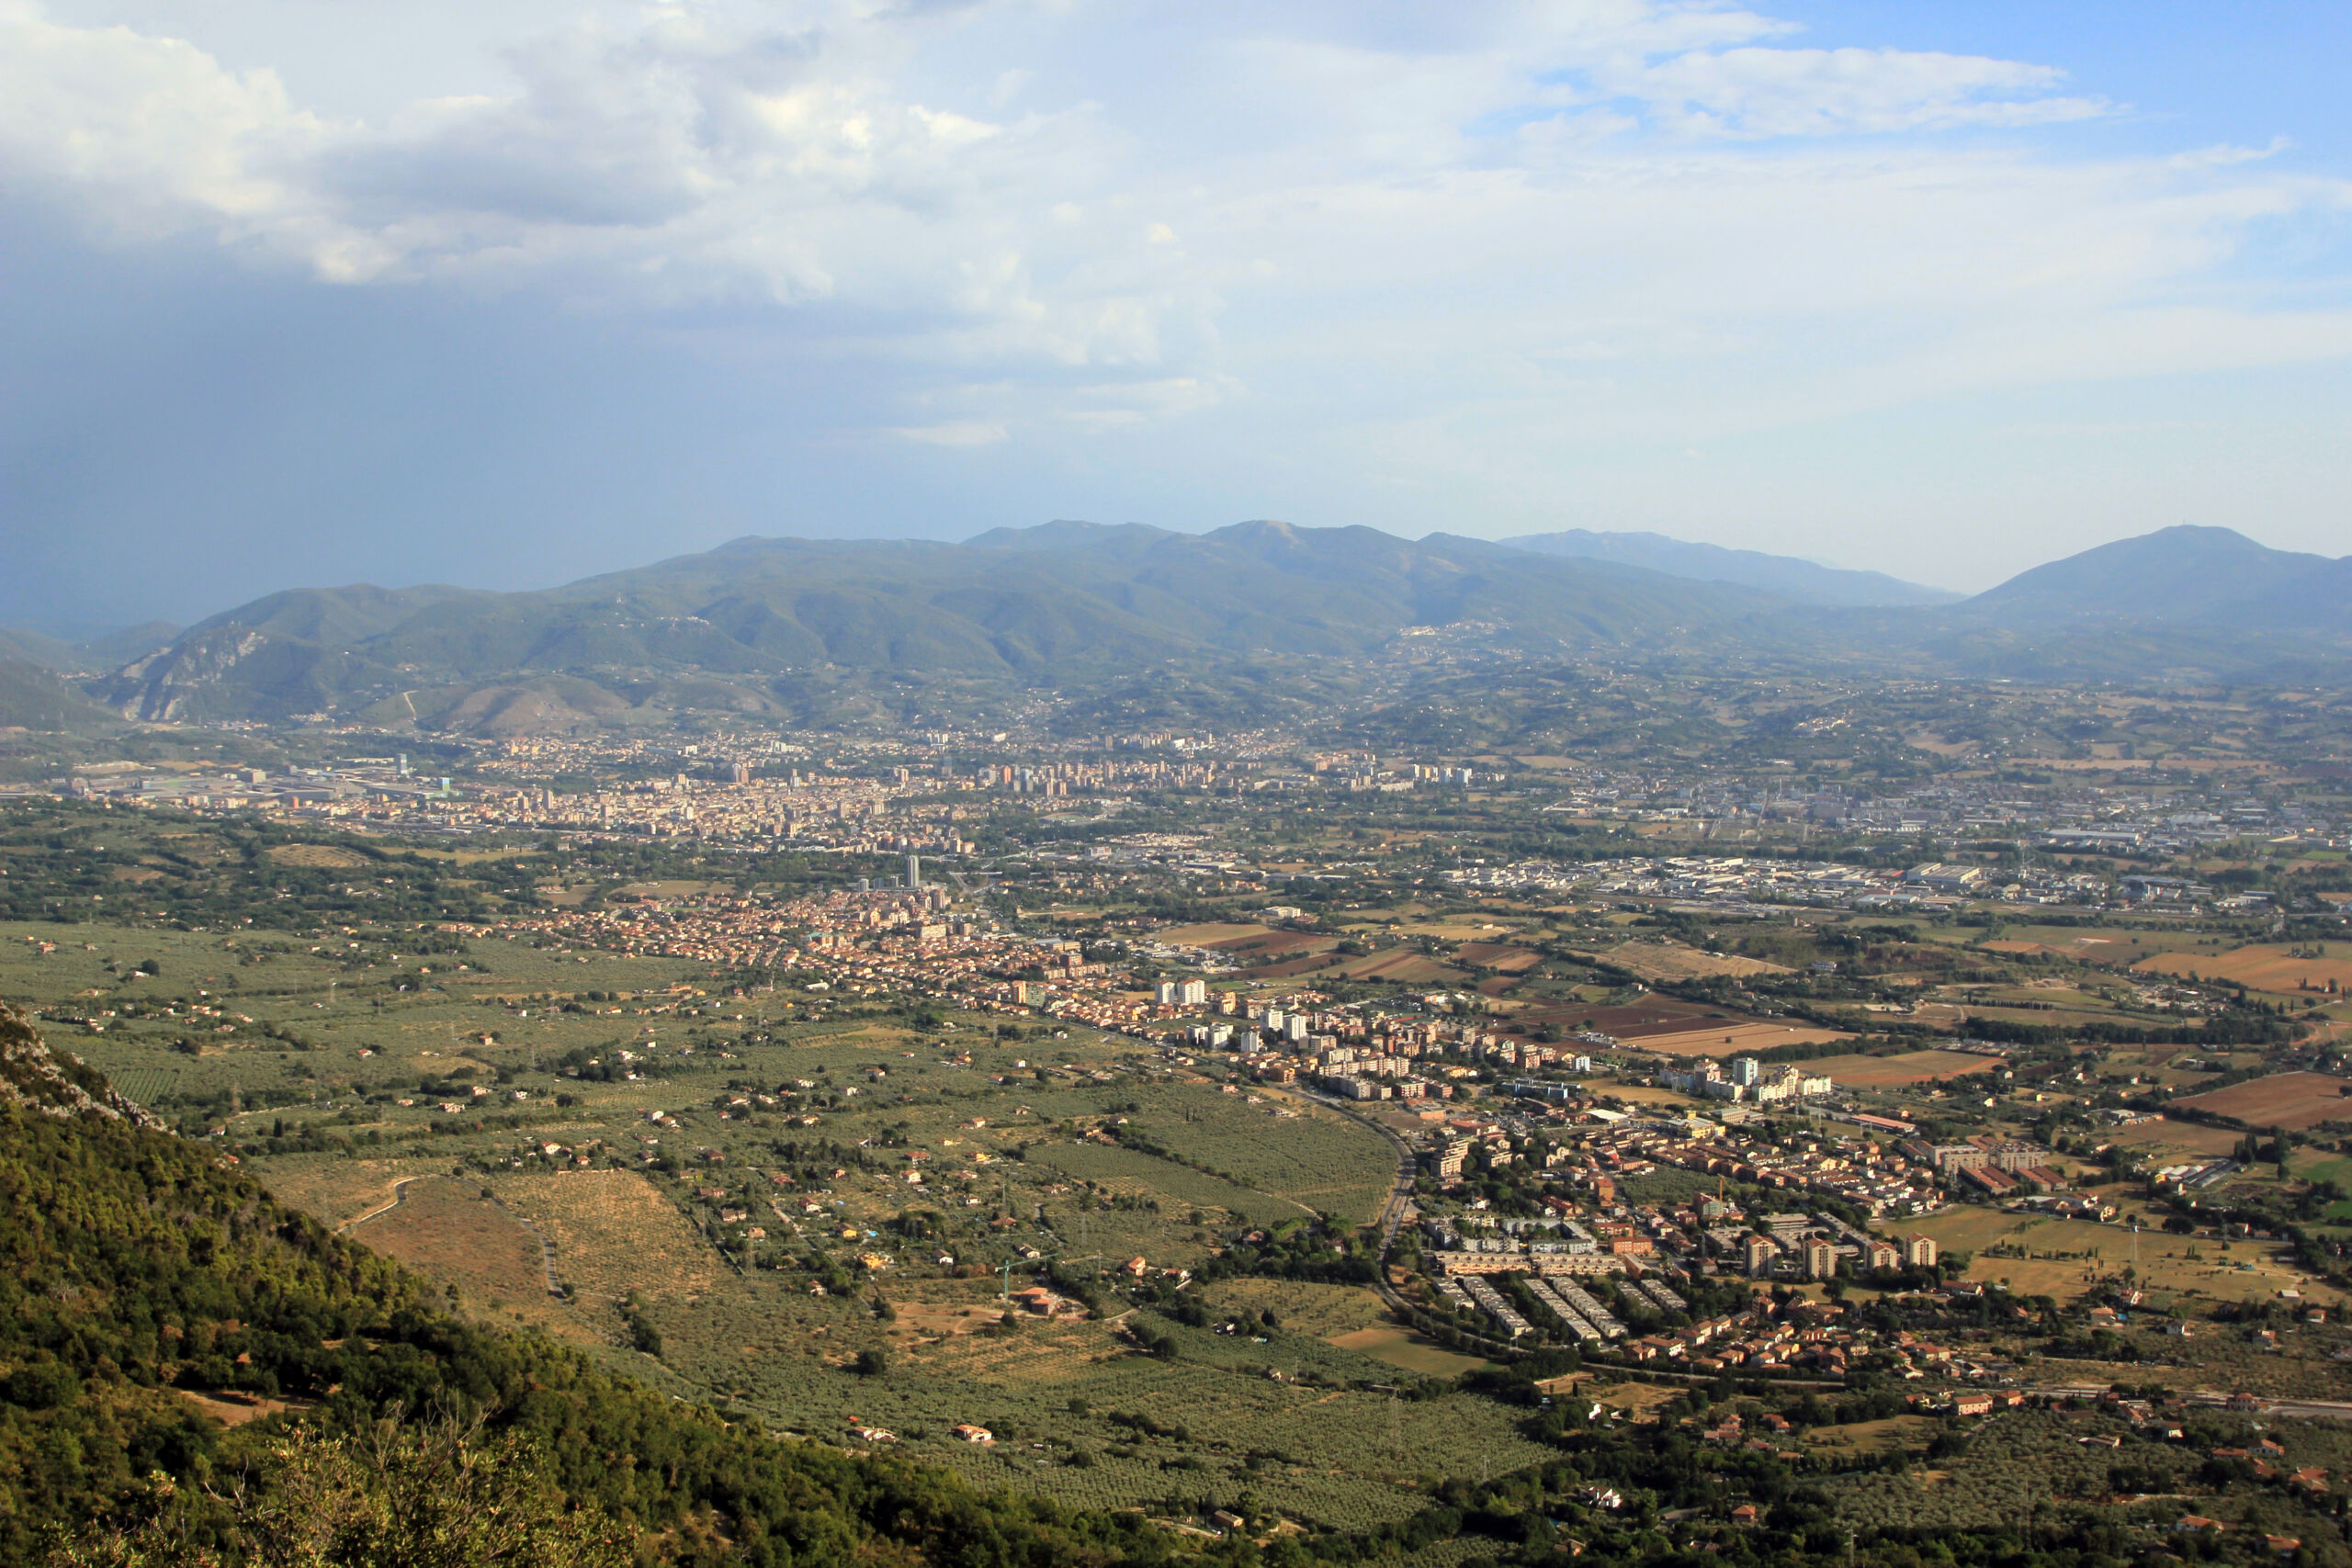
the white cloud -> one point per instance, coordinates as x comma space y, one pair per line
1753, 92
1637, 214
954, 433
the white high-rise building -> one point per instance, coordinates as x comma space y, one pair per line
1195, 993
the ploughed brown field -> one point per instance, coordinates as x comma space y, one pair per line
2292, 1100
1406, 967
1270, 944
1503, 957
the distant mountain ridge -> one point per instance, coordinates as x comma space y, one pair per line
1807, 582
784, 626
106, 651
33, 697
1067, 602
2184, 574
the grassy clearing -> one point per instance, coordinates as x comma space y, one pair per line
614, 1232
1400, 1347
1322, 1312
1909, 1434
2185, 1137
449, 1231
2207, 1271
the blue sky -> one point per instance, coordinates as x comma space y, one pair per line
294, 293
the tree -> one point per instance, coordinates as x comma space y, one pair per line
388, 1496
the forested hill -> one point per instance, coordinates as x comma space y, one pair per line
137, 1269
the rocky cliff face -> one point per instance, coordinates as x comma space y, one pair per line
33, 1076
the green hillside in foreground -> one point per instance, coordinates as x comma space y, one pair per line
143, 1282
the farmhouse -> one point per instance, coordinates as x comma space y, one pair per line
1045, 1303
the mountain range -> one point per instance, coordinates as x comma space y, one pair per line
785, 627
1807, 582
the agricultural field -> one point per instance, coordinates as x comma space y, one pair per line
1504, 958
1902, 1070
339, 1190
2292, 1100
1652, 1017
2322, 1165
1671, 962
1287, 1147
1130, 1173
1457, 929
1215, 934
1738, 1038
1063, 1400
1896, 1434
1401, 966
251, 1024
1327, 1312
1401, 1347
2263, 967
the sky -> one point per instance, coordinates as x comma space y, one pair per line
298, 292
